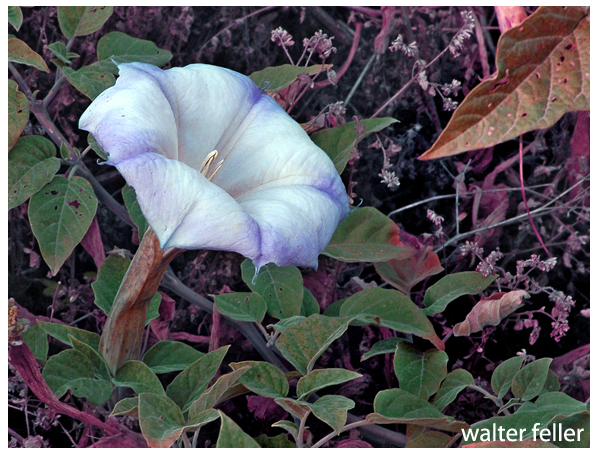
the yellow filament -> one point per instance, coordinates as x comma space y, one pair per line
208, 168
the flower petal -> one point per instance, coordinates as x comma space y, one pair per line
185, 210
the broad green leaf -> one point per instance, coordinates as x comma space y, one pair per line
90, 80
455, 382
333, 309
126, 407
213, 395
64, 333
366, 235
399, 406
263, 378
281, 287
419, 373
382, 347
548, 408
139, 377
18, 114
82, 20
32, 164
169, 356
552, 383
322, 378
391, 309
20, 52
15, 17
502, 377
529, 381
280, 441
110, 277
297, 409
122, 48
130, 198
160, 420
275, 78
231, 435
303, 343
243, 306
37, 340
332, 410
60, 51
100, 368
70, 369
543, 71
193, 380
309, 304
579, 424
285, 323
201, 419
451, 287
60, 214
91, 140
288, 426
338, 142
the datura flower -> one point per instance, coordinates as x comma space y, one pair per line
217, 164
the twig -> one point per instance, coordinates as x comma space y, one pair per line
359, 80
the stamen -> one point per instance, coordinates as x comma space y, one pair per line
207, 168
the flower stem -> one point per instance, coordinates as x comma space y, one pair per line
122, 336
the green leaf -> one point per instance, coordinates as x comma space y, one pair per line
32, 164
15, 17
529, 381
160, 420
18, 113
502, 377
399, 406
451, 287
275, 78
70, 369
59, 49
552, 383
128, 406
288, 426
91, 140
169, 356
580, 423
90, 80
280, 286
382, 347
110, 276
82, 20
132, 204
429, 439
419, 373
194, 379
100, 368
302, 344
282, 325
280, 441
201, 419
37, 340
60, 214
243, 306
543, 71
122, 48
309, 304
338, 142
20, 52
391, 309
64, 333
231, 435
455, 382
366, 235
213, 395
332, 410
263, 378
322, 378
139, 377
548, 408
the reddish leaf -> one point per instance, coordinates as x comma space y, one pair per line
490, 311
403, 274
353, 444
92, 242
509, 16
120, 441
265, 408
161, 326
580, 145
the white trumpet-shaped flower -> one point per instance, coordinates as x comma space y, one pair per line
217, 164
